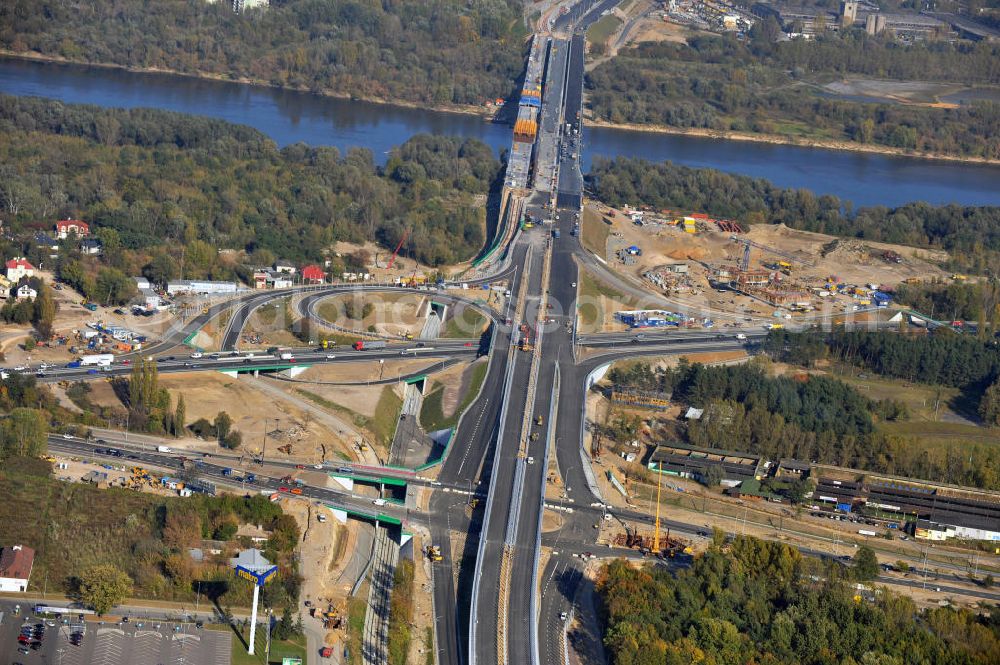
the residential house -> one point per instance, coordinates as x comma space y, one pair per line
256, 534
313, 274
46, 242
25, 292
18, 268
68, 227
15, 568
91, 246
285, 267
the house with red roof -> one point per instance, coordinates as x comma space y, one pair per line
313, 274
19, 267
67, 227
15, 567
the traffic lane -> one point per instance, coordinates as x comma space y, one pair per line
244, 363
214, 472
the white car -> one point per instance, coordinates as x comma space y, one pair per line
317, 466
196, 355
67, 436
378, 502
330, 356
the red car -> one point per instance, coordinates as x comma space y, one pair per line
300, 466
282, 489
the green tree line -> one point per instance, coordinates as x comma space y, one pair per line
970, 234
762, 602
166, 192
721, 83
430, 51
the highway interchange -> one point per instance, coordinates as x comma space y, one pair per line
488, 604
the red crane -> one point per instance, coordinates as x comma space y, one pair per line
406, 234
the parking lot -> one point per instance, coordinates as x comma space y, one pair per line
67, 640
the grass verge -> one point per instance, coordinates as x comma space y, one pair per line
294, 648
401, 613
356, 608
382, 426
432, 416
594, 231
603, 29
467, 322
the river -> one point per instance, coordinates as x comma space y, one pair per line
289, 117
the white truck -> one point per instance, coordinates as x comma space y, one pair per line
163, 449
286, 356
101, 359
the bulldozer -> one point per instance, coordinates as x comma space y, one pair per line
434, 553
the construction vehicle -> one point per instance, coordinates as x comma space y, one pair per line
744, 263
434, 553
525, 342
406, 234
538, 420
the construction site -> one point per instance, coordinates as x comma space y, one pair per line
734, 270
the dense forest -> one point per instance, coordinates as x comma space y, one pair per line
427, 51
762, 602
167, 192
815, 418
760, 86
971, 235
953, 301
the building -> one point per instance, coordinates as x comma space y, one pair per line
313, 274
15, 568
792, 469
90, 246
18, 268
68, 227
691, 462
848, 13
256, 534
200, 287
46, 242
25, 292
240, 6
286, 267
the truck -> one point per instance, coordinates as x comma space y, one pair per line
866, 532
90, 306
362, 345
555, 233
163, 449
286, 356
97, 359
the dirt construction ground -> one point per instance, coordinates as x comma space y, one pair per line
813, 257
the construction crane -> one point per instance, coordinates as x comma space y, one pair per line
747, 244
406, 234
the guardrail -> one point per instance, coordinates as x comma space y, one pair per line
491, 494
533, 612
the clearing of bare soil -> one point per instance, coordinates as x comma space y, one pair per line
814, 259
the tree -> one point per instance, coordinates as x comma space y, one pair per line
180, 414
223, 424
45, 311
25, 433
713, 475
865, 564
989, 404
113, 287
988, 581
284, 628
232, 441
104, 586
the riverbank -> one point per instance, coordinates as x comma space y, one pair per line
778, 139
464, 109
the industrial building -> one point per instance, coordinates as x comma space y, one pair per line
937, 512
692, 462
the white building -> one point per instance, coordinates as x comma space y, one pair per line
15, 568
19, 267
240, 6
25, 292
199, 286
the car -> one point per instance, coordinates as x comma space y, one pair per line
50, 623
330, 356
378, 502
563, 616
23, 650
199, 624
317, 466
196, 355
67, 436
91, 371
282, 489
300, 466
468, 344
296, 490
126, 362
308, 603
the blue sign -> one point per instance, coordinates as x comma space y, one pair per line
260, 579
